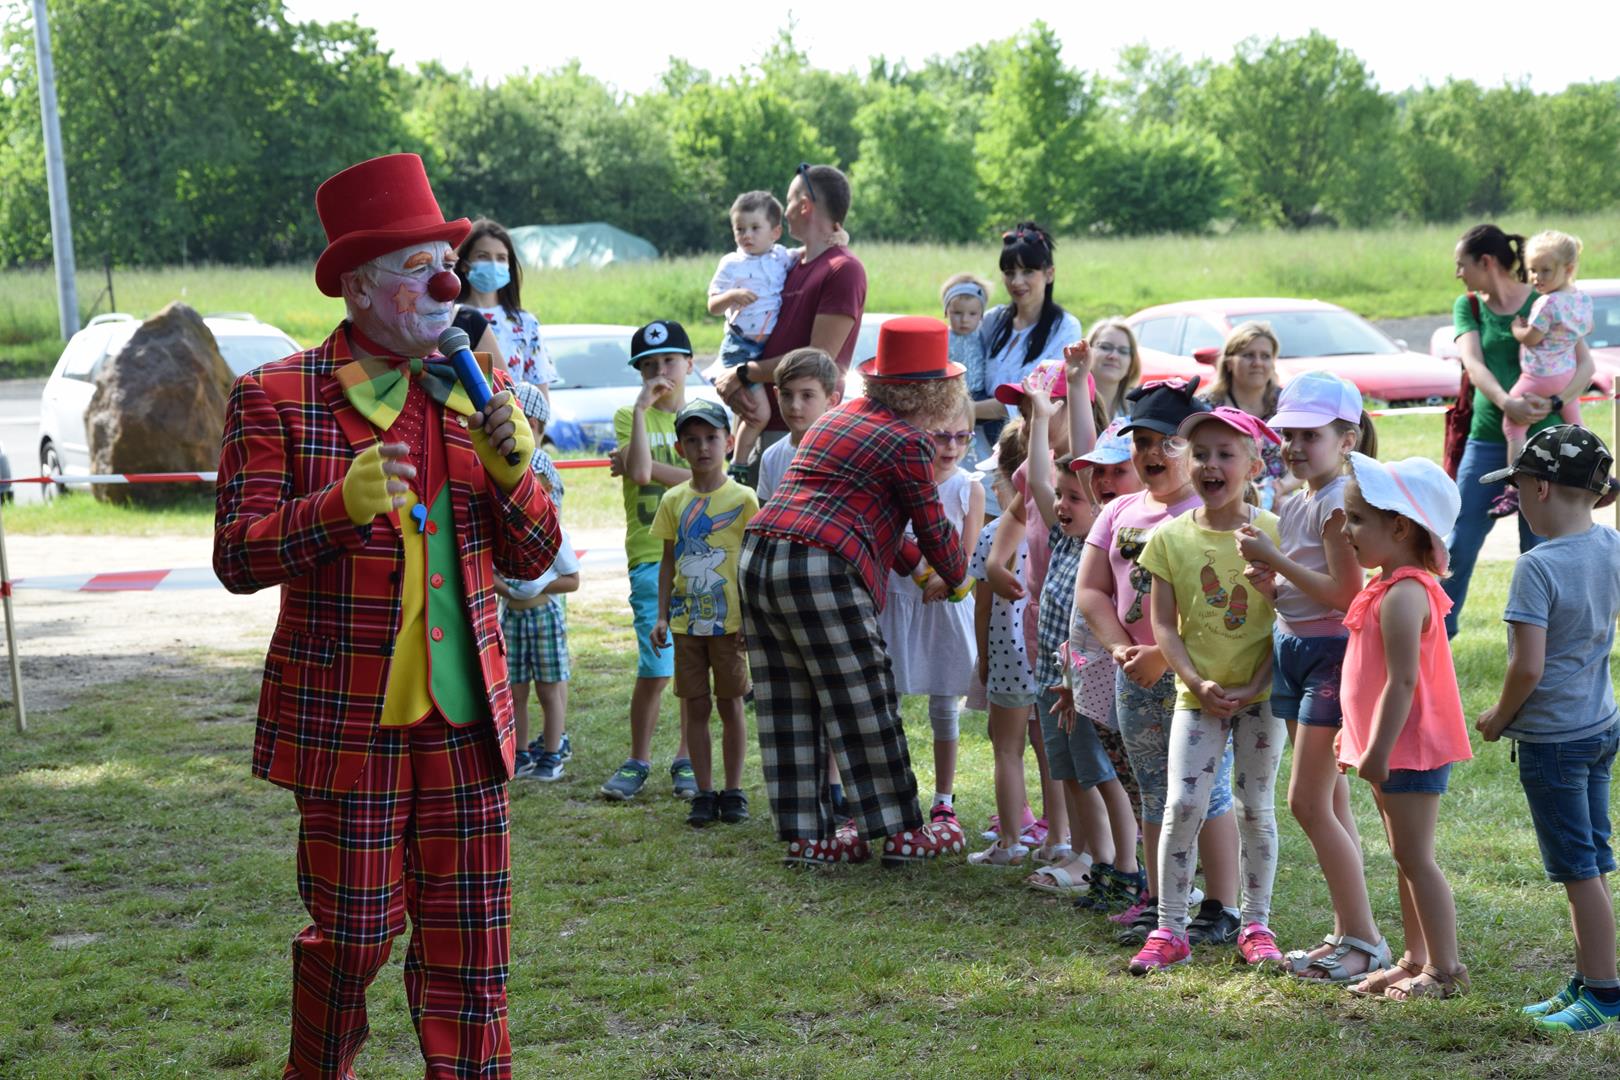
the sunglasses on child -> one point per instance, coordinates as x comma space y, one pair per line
960, 438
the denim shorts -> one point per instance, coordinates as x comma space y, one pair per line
1567, 786
1305, 678
644, 612
736, 350
1417, 781
1144, 724
1076, 755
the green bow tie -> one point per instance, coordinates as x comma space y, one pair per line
377, 387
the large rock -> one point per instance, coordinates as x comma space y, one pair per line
159, 406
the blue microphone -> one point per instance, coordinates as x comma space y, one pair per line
457, 348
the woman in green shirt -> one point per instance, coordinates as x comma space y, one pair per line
1490, 263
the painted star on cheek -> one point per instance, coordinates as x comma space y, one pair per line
405, 298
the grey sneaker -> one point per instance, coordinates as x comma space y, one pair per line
627, 783
565, 749
684, 779
546, 767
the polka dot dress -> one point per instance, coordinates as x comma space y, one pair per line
1009, 661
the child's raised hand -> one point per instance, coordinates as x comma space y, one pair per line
653, 390
1077, 360
1040, 400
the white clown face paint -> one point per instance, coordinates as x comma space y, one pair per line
389, 301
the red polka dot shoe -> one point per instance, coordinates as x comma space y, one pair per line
940, 837
845, 848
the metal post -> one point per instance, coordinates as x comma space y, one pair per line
67, 290
11, 635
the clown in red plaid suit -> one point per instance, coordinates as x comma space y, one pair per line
814, 572
357, 477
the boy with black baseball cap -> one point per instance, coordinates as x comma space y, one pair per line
647, 460
1558, 701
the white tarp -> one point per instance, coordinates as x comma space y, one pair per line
592, 243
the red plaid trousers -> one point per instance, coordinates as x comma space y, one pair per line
422, 834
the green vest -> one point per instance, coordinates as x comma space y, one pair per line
455, 679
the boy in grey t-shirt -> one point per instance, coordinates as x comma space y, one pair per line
1558, 701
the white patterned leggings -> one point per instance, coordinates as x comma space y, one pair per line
1197, 745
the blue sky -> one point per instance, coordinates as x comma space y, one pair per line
628, 42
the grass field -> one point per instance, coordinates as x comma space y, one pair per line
1381, 273
147, 900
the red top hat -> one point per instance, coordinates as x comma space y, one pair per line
376, 207
912, 348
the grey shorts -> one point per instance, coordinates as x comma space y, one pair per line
1076, 755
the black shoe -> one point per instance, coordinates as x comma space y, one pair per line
1137, 932
1214, 925
705, 810
733, 806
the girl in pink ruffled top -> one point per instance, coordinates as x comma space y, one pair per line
1403, 718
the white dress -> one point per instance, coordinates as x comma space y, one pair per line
931, 645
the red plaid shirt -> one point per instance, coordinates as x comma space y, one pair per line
859, 475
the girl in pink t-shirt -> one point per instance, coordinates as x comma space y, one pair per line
1403, 717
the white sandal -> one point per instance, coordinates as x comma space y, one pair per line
1058, 882
1049, 854
996, 855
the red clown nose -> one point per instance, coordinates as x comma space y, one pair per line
444, 286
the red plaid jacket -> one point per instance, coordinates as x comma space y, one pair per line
857, 477
290, 436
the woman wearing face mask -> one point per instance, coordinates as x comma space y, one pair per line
491, 277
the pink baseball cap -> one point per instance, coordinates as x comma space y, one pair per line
1049, 375
1236, 419
1315, 399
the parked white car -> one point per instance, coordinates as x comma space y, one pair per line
244, 342
593, 362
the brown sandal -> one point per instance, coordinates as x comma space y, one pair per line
1377, 982
1440, 985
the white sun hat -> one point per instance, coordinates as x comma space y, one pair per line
1414, 488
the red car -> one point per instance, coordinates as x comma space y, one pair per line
1183, 338
1604, 341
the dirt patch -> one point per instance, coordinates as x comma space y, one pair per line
72, 641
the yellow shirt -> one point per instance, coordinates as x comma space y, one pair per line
707, 529
1224, 622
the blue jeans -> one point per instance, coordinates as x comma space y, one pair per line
1474, 522
1567, 786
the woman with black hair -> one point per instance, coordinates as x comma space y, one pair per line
1030, 328
1490, 263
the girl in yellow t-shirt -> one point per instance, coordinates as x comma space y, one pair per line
1215, 632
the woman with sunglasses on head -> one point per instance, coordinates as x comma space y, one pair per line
1029, 328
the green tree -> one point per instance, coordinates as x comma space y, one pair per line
1152, 86
914, 178
1032, 134
1455, 148
738, 136
1575, 159
825, 100
1305, 129
201, 141
1151, 178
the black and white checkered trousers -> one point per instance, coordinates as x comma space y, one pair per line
822, 679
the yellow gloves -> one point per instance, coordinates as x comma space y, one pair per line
507, 476
365, 487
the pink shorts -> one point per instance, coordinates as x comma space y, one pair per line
1546, 386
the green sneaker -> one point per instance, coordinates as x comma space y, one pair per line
683, 778
627, 783
1558, 1002
1585, 1013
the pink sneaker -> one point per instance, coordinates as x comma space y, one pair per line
943, 812
992, 830
1134, 912
1164, 949
939, 837
1505, 504
1034, 834
1258, 945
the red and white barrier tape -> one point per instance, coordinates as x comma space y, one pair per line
120, 478
198, 577
1436, 410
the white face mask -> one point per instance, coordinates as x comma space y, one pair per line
397, 311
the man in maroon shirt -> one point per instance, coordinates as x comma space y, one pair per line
822, 300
